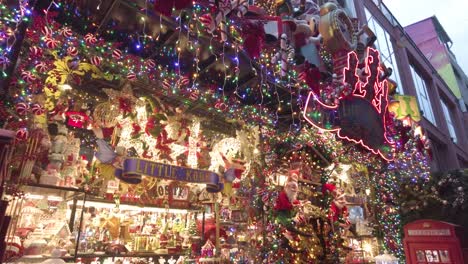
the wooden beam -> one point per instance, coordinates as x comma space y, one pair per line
108, 14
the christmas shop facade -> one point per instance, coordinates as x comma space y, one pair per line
202, 132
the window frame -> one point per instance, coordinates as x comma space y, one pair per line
422, 94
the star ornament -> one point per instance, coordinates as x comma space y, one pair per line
125, 98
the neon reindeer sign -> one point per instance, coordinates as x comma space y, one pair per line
361, 116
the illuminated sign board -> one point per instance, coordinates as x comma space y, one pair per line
360, 116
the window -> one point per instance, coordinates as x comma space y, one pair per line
422, 95
448, 117
384, 45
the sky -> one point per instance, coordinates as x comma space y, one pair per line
452, 15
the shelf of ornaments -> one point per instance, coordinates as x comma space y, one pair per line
45, 190
129, 255
135, 203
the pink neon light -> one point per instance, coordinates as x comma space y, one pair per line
360, 90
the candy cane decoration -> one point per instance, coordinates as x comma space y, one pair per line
224, 8
286, 54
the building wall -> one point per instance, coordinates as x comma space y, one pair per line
425, 36
447, 154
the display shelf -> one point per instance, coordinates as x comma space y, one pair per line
309, 182
128, 255
102, 202
41, 259
54, 187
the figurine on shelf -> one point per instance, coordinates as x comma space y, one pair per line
287, 198
207, 250
161, 260
112, 223
180, 260
338, 212
109, 159
172, 260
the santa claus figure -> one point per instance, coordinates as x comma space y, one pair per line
287, 198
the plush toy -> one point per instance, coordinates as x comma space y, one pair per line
233, 170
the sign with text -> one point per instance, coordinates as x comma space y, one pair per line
134, 168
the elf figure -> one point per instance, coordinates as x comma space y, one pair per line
338, 212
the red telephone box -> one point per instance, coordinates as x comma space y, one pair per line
429, 241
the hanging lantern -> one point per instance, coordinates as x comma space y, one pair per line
386, 259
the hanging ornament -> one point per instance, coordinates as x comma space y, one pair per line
4, 61
116, 54
105, 114
165, 7
184, 81
51, 43
66, 32
35, 51
253, 34
150, 63
220, 105
96, 60
41, 67
194, 95
225, 7
90, 39
22, 134
46, 31
311, 76
22, 108
28, 77
125, 98
72, 51
37, 109
131, 76
166, 85
285, 54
